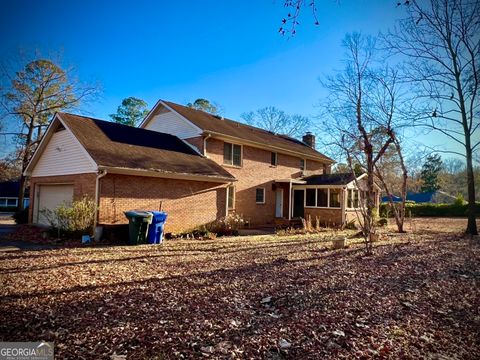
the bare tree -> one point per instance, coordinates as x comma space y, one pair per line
294, 7
440, 42
357, 110
391, 171
277, 121
30, 98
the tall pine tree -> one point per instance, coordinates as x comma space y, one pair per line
430, 171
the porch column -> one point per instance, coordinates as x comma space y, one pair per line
290, 200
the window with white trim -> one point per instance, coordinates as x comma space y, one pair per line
322, 198
260, 195
310, 197
274, 159
12, 202
302, 164
232, 154
353, 199
334, 198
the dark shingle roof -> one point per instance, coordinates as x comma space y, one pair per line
11, 188
208, 122
121, 146
330, 179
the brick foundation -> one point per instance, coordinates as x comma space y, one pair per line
327, 217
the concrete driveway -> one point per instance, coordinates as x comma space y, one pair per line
7, 225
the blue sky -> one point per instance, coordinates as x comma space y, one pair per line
229, 52
225, 51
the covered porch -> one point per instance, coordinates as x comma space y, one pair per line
332, 199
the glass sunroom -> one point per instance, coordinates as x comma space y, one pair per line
334, 199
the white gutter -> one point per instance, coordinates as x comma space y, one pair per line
167, 175
269, 147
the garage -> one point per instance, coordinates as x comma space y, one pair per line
50, 197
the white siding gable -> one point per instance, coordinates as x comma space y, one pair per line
63, 155
171, 123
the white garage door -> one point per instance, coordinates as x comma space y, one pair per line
50, 197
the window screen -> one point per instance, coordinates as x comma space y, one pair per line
310, 197
335, 198
322, 197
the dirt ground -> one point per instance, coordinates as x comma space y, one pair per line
264, 297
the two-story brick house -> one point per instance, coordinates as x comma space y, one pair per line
196, 166
265, 165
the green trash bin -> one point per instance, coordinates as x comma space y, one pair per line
138, 222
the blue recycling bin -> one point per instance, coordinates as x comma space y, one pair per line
155, 230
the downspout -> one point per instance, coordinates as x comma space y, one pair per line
205, 144
344, 206
100, 174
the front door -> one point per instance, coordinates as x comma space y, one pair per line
279, 203
298, 203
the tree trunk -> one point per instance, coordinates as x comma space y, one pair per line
471, 224
25, 161
21, 192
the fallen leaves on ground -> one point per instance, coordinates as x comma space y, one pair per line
256, 297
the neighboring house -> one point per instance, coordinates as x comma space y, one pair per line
9, 195
434, 197
196, 166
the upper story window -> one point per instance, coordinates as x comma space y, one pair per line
232, 154
274, 159
260, 195
302, 164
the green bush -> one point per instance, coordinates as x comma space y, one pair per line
21, 217
77, 219
460, 200
430, 210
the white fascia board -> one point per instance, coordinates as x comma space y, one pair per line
166, 175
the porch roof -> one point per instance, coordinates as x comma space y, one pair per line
330, 179
292, 181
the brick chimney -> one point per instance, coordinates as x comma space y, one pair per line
309, 139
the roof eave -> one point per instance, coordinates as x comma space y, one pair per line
217, 135
167, 175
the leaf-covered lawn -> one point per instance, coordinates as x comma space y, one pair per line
258, 297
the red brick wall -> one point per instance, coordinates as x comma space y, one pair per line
256, 172
197, 142
83, 184
327, 217
188, 203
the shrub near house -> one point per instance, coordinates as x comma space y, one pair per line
430, 210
